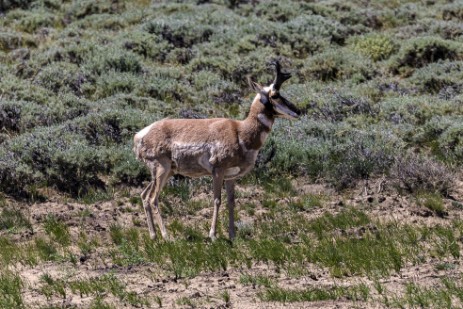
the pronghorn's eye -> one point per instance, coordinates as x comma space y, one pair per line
275, 96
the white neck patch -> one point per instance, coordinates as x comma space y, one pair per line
265, 120
268, 88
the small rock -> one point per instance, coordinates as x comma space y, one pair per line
313, 277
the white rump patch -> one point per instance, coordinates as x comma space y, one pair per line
143, 132
265, 120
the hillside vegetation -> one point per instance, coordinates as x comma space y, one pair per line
380, 84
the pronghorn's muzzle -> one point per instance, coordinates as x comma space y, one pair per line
285, 109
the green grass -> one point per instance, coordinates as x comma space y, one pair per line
354, 293
433, 202
185, 301
93, 196
14, 220
98, 287
11, 286
347, 244
57, 230
98, 303
447, 294
255, 280
344, 220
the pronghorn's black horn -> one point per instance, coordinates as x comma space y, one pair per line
280, 76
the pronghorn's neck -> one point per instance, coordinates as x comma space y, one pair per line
260, 113
257, 125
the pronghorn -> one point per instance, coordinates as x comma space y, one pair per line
223, 148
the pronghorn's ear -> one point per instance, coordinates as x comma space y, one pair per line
254, 86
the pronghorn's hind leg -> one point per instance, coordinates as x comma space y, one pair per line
230, 188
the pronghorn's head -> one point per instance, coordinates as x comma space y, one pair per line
271, 98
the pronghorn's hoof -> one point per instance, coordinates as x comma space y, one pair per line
212, 237
153, 236
166, 238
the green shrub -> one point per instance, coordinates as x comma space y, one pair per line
10, 116
180, 32
73, 162
339, 107
106, 69
164, 89
15, 176
338, 65
7, 5
102, 21
277, 11
67, 163
361, 156
450, 142
82, 9
14, 88
61, 77
316, 26
31, 21
414, 173
113, 83
334, 152
13, 40
147, 45
108, 127
419, 52
126, 169
452, 11
415, 111
376, 46
449, 30
113, 59
436, 77
69, 50
430, 134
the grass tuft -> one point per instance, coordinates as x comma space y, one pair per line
356, 293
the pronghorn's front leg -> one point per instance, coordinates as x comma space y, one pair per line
163, 172
145, 197
217, 180
230, 188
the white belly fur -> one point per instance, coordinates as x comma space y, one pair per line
232, 171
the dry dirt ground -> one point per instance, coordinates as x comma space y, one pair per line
207, 289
